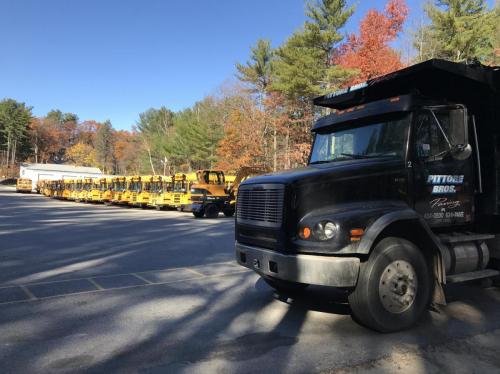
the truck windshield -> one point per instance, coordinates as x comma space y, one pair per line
383, 138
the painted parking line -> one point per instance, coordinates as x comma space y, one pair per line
48, 290
13, 294
169, 275
119, 281
61, 288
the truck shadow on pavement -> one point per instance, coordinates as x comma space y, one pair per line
228, 323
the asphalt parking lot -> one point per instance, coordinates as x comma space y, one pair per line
91, 288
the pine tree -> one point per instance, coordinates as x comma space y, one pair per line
15, 118
459, 30
104, 146
304, 65
257, 72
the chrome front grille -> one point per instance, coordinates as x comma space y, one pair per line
260, 204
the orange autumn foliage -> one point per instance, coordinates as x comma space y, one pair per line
242, 142
369, 52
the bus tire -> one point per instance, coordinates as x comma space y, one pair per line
394, 287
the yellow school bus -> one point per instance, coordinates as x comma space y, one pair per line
23, 185
181, 196
106, 186
96, 191
57, 188
161, 192
85, 192
118, 188
77, 187
140, 197
131, 186
44, 187
67, 189
133, 189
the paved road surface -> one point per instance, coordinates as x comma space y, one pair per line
86, 288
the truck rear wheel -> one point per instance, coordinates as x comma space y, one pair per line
198, 214
211, 211
285, 287
393, 288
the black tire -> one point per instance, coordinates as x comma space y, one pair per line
376, 282
284, 287
228, 212
211, 211
199, 214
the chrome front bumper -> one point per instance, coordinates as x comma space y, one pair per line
308, 269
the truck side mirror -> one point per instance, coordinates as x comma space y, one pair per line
461, 151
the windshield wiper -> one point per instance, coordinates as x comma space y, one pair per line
355, 156
321, 162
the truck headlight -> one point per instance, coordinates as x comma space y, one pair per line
325, 230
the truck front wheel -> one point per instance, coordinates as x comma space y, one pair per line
211, 211
393, 288
198, 213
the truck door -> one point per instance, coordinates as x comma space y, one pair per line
443, 166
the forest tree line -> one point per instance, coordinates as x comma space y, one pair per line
264, 119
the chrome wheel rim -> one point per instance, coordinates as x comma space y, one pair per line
398, 286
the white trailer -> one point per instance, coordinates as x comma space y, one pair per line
37, 172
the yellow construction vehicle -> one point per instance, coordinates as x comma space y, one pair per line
209, 198
209, 195
229, 181
181, 196
118, 188
161, 195
141, 193
23, 185
243, 174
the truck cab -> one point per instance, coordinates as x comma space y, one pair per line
399, 197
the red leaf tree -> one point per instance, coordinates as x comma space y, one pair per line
369, 52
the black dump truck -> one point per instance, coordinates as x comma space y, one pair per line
399, 198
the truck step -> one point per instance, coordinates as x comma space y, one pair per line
465, 237
473, 275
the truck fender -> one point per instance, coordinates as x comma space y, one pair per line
406, 223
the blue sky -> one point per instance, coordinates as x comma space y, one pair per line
112, 59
